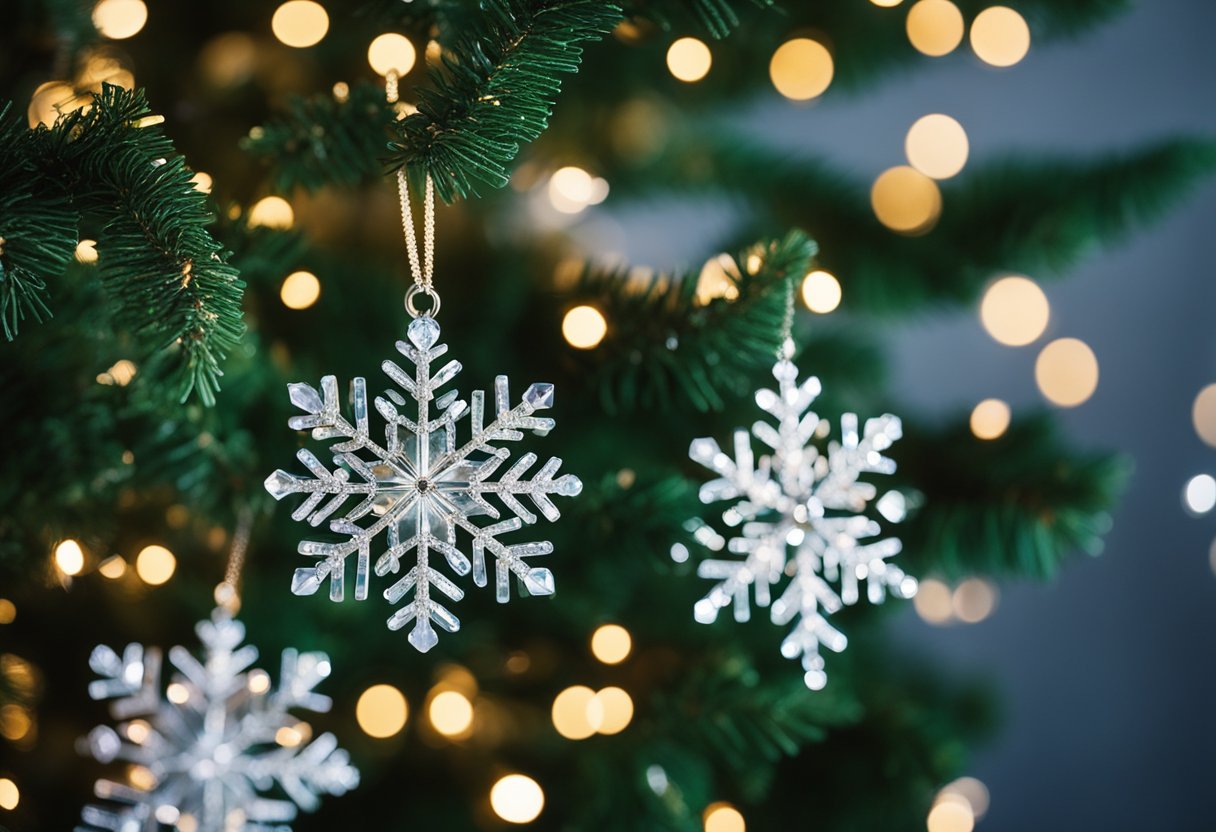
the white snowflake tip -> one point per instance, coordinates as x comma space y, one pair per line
423, 488
423, 332
104, 744
305, 397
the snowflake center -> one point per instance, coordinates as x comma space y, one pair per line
423, 485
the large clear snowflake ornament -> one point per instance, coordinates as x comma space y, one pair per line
218, 749
421, 486
799, 513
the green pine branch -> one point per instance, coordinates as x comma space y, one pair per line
664, 345
165, 276
1018, 505
1038, 216
496, 89
323, 140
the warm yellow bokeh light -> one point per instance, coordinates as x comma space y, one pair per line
1066, 372
974, 600
935, 27
821, 291
572, 189
381, 711
801, 69
300, 290
886, 4
202, 182
933, 601
722, 817
905, 200
141, 777
177, 693
990, 419
271, 212
155, 565
937, 146
52, 99
451, 713
616, 705
86, 252
15, 722
113, 567
689, 59
259, 681
118, 19
10, 795
576, 713
8, 611
1015, 311
391, 51
950, 816
517, 798
69, 557
584, 327
1000, 36
1203, 414
300, 23
719, 278
973, 791
611, 643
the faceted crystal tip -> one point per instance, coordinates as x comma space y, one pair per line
539, 581
280, 484
540, 396
703, 450
305, 397
423, 332
423, 636
569, 486
305, 581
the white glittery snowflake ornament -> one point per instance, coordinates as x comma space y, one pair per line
801, 517
218, 749
421, 486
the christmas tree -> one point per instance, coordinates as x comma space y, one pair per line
198, 207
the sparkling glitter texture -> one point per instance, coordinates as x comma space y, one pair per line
801, 514
421, 486
218, 748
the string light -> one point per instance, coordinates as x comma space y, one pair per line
517, 798
86, 252
119, 19
689, 60
611, 643
1067, 372
937, 146
933, 601
905, 200
1203, 414
1199, 496
990, 419
271, 212
616, 705
718, 279
584, 327
801, 69
10, 795
69, 557
120, 373
300, 290
155, 565
935, 27
974, 600
300, 23
49, 100
381, 711
1015, 311
722, 817
576, 713
391, 52
113, 567
1000, 36
451, 713
821, 291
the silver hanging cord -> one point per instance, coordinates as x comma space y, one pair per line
422, 268
227, 595
786, 349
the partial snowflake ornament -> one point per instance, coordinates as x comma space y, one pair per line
801, 514
218, 749
421, 486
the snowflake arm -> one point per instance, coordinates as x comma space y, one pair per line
800, 514
420, 487
219, 746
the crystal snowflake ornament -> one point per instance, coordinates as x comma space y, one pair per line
218, 750
801, 514
421, 486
